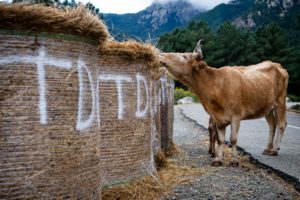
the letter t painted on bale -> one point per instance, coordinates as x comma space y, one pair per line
118, 79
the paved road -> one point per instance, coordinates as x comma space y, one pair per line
253, 136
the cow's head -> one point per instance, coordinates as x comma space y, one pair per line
184, 66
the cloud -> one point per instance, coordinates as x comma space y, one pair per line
207, 4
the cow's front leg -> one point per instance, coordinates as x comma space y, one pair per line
212, 129
221, 137
235, 125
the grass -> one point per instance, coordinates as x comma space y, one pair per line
296, 107
294, 98
180, 93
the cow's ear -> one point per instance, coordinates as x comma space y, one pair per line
199, 65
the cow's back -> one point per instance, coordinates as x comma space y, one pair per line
264, 88
253, 91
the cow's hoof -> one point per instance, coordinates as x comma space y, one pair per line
216, 163
234, 163
270, 152
213, 155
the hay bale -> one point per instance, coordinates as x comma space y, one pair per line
74, 116
39, 18
48, 147
126, 132
167, 110
63, 119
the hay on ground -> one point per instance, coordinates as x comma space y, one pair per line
160, 160
39, 18
155, 186
172, 150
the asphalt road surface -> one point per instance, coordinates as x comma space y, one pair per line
253, 137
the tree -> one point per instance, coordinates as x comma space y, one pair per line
272, 44
233, 46
185, 40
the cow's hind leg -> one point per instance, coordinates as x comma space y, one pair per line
235, 125
272, 128
214, 140
280, 117
221, 138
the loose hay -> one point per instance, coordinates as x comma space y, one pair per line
39, 18
160, 160
133, 50
153, 187
172, 150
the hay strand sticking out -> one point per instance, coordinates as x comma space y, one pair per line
38, 18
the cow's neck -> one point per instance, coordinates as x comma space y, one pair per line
206, 87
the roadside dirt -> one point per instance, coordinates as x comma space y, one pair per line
245, 182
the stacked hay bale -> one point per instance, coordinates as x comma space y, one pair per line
167, 111
126, 135
77, 111
49, 138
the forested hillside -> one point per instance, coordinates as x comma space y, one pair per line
225, 12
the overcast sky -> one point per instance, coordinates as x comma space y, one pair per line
132, 6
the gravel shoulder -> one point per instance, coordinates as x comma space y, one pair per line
244, 182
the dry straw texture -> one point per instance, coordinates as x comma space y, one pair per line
155, 186
133, 50
38, 18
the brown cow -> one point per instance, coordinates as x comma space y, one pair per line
232, 94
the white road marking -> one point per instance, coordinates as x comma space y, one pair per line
296, 127
291, 126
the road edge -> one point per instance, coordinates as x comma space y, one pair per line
286, 177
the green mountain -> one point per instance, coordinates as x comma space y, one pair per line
156, 19
225, 12
283, 12
160, 18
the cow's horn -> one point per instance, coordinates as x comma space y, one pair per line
198, 49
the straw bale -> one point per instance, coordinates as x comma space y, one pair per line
156, 121
51, 160
167, 112
39, 18
126, 142
57, 160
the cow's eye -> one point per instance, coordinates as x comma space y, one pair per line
185, 56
